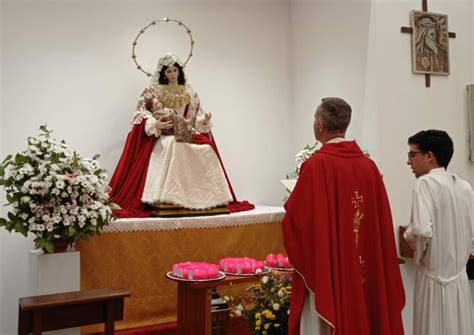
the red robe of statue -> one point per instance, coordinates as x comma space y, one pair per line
338, 234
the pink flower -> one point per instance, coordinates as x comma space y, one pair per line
69, 176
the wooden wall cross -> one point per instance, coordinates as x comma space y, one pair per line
409, 30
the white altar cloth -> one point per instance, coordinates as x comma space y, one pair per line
260, 214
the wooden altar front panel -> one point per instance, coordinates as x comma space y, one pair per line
139, 260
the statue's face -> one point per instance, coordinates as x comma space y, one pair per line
172, 74
156, 105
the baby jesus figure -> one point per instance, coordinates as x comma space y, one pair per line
169, 122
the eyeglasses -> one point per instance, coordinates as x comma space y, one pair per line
413, 153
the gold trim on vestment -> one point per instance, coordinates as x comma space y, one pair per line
358, 216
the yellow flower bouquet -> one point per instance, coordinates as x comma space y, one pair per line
266, 307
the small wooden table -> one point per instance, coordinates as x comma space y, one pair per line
194, 303
71, 309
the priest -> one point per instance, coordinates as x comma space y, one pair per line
338, 234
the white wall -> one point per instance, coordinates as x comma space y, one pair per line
77, 54
1, 155
329, 41
67, 64
409, 107
260, 67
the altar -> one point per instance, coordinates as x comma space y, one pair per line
135, 254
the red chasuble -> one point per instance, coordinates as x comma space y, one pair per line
338, 234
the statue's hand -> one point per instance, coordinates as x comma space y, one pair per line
164, 122
205, 118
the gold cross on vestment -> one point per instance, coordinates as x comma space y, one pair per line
356, 199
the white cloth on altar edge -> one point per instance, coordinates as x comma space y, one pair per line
261, 214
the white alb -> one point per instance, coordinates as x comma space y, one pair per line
441, 233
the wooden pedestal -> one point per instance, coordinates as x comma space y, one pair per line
194, 304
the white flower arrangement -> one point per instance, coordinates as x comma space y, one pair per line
53, 193
301, 157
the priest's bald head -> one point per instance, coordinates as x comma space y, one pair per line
331, 119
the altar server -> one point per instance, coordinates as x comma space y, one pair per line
440, 233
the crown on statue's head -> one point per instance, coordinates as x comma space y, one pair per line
168, 60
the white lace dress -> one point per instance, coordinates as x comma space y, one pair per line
184, 174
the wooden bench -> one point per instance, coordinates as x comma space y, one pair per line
71, 309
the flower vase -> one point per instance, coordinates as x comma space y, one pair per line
60, 245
